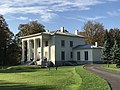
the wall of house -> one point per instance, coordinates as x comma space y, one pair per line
82, 56
67, 49
97, 55
52, 49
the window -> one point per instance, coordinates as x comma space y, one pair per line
63, 43
71, 54
38, 42
71, 43
78, 55
62, 55
46, 43
86, 55
32, 43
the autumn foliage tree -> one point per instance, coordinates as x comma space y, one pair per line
94, 32
32, 27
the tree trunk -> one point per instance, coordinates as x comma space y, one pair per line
108, 64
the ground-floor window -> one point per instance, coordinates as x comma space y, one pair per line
86, 55
71, 55
78, 55
63, 55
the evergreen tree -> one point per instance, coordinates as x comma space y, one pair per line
107, 49
5, 40
116, 53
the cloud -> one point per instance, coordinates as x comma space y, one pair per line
112, 0
76, 18
114, 13
46, 9
95, 18
84, 19
22, 18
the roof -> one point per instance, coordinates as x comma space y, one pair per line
33, 35
86, 46
67, 34
53, 33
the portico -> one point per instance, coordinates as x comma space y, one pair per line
34, 49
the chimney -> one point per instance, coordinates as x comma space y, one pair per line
46, 30
62, 29
96, 44
76, 32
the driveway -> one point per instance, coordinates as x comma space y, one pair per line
112, 78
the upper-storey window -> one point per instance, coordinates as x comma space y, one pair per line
71, 43
62, 43
46, 43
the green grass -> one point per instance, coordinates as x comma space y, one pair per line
112, 67
34, 78
91, 81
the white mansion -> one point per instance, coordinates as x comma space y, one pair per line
58, 47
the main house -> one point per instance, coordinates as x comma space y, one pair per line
59, 47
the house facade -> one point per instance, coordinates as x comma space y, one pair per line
59, 47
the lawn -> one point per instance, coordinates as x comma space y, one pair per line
91, 81
65, 78
112, 67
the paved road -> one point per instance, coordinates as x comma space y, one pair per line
112, 78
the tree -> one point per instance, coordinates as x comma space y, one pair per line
5, 40
107, 48
116, 52
94, 32
32, 27
13, 54
114, 35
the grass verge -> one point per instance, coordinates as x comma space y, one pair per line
112, 67
91, 81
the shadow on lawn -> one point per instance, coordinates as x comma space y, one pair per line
22, 86
19, 69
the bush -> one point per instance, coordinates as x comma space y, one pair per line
118, 65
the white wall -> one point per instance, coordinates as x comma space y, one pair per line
97, 54
82, 55
52, 49
67, 48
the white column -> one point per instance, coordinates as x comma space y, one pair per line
23, 50
42, 51
49, 50
35, 50
28, 50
